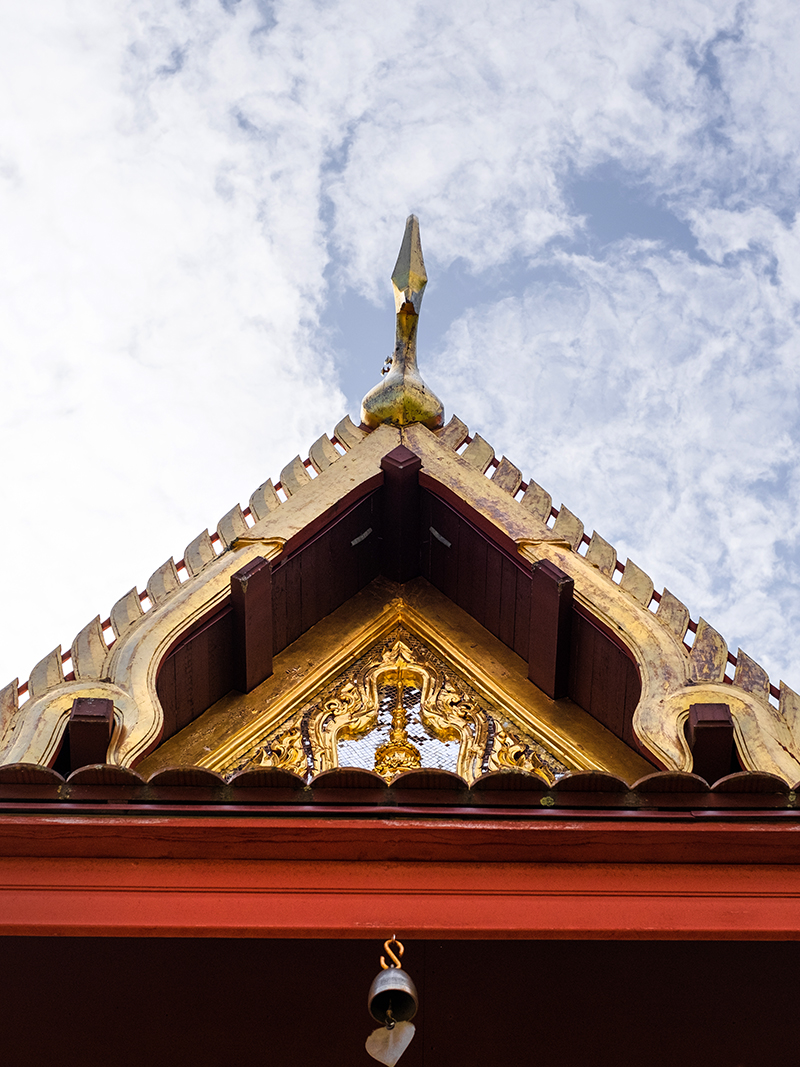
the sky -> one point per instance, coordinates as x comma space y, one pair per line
202, 203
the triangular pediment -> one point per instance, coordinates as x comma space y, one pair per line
397, 679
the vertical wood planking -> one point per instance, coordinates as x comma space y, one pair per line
294, 600
522, 615
444, 526
608, 680
216, 669
197, 672
508, 602
425, 536
311, 575
581, 659
471, 595
475, 574
603, 679
279, 630
367, 553
494, 589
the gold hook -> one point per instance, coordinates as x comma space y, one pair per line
394, 958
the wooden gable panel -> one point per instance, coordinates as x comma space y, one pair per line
603, 679
464, 564
198, 671
307, 586
326, 571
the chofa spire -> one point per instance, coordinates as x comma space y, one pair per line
403, 398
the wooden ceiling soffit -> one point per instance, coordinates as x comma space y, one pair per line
674, 677
472, 691
127, 672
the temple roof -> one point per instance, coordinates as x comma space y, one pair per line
617, 673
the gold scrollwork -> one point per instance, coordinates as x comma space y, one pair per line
404, 674
512, 752
286, 751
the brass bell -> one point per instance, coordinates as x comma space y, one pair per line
392, 996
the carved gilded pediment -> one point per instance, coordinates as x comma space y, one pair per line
398, 707
398, 677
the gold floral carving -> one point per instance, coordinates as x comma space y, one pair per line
286, 751
448, 711
511, 752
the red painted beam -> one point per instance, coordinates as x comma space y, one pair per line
158, 898
686, 837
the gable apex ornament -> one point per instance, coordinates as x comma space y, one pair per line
403, 398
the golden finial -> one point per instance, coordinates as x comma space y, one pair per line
402, 397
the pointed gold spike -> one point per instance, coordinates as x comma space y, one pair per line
403, 398
408, 277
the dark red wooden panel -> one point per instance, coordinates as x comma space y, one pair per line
251, 597
202, 997
197, 671
443, 533
494, 590
327, 570
522, 614
550, 629
508, 601
279, 620
478, 575
90, 723
709, 731
603, 679
294, 600
471, 591
581, 660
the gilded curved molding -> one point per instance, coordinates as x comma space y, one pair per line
135, 658
671, 679
36, 735
129, 672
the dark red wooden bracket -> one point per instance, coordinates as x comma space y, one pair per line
709, 732
89, 728
251, 598
401, 532
550, 629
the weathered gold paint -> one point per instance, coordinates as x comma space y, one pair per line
403, 398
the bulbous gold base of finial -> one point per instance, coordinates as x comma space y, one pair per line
403, 398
